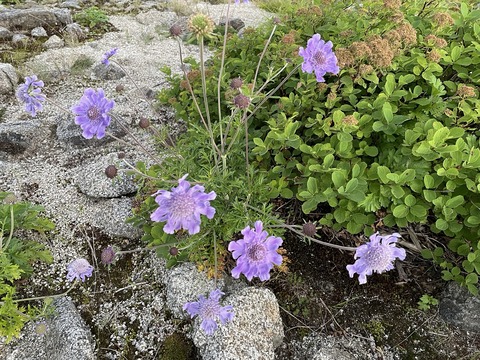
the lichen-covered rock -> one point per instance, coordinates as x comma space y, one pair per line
54, 42
460, 308
8, 79
28, 19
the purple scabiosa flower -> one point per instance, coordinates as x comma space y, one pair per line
318, 57
181, 208
79, 269
30, 93
256, 253
377, 255
244, 1
91, 113
108, 55
210, 311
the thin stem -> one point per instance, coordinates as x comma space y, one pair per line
247, 163
220, 74
262, 55
12, 222
215, 255
144, 249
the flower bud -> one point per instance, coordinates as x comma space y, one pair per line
176, 30
144, 123
108, 255
121, 155
111, 171
236, 83
309, 229
241, 101
173, 251
200, 24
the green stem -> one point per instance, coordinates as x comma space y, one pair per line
48, 296
262, 55
12, 222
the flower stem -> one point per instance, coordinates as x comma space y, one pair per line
47, 296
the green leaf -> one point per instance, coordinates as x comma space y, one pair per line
441, 224
471, 278
418, 211
455, 201
397, 191
390, 84
338, 178
387, 112
429, 181
456, 52
410, 200
312, 185
351, 185
400, 211
382, 172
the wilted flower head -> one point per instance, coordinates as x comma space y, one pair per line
111, 171
318, 57
377, 255
210, 311
30, 93
176, 30
256, 253
108, 55
241, 101
107, 256
200, 24
236, 83
181, 208
91, 113
309, 229
79, 269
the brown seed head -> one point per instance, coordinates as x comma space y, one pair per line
392, 4
407, 33
436, 41
176, 30
241, 101
360, 50
173, 251
344, 57
465, 91
108, 255
111, 171
236, 83
121, 155
442, 19
144, 123
434, 56
381, 55
350, 120
119, 88
365, 69
309, 229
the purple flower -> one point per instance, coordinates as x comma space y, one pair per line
79, 269
30, 93
319, 57
238, 1
91, 113
377, 255
210, 311
181, 208
256, 253
108, 55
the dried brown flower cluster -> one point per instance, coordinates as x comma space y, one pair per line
360, 50
392, 4
350, 120
382, 54
435, 41
465, 91
434, 56
407, 33
344, 57
289, 38
397, 17
442, 19
312, 10
365, 69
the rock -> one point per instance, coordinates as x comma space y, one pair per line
320, 347
460, 308
70, 4
110, 72
66, 337
74, 32
39, 32
236, 23
16, 137
70, 133
92, 181
254, 333
20, 39
110, 216
54, 42
8, 79
5, 34
183, 284
28, 19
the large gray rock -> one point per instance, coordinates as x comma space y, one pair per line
66, 338
54, 42
8, 79
74, 33
110, 72
92, 181
254, 333
28, 19
39, 32
5, 34
460, 308
16, 137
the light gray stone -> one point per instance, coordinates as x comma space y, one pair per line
254, 333
54, 42
39, 32
20, 39
28, 19
74, 32
110, 216
67, 337
110, 72
16, 137
92, 181
5, 34
8, 79
460, 308
70, 4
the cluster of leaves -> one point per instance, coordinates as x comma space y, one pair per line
16, 258
392, 140
93, 18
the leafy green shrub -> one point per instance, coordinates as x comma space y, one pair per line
92, 17
16, 258
392, 140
